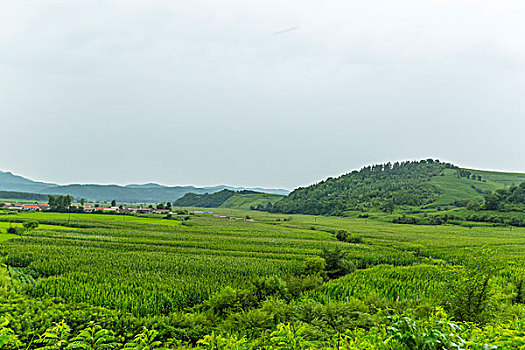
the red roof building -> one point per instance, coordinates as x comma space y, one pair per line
31, 207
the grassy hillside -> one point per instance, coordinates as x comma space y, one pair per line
500, 178
386, 186
247, 201
227, 199
454, 188
380, 186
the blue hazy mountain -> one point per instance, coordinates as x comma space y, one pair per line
139, 193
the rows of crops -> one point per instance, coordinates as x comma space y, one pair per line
153, 266
411, 283
126, 271
150, 267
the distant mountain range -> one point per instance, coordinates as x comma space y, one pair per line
133, 193
424, 183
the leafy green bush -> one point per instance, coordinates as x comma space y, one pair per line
435, 334
345, 236
298, 285
249, 322
225, 300
12, 230
30, 225
314, 265
8, 338
336, 263
265, 287
468, 296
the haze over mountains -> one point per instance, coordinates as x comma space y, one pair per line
380, 186
143, 193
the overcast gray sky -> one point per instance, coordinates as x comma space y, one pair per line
270, 93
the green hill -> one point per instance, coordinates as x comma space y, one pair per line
227, 199
385, 186
250, 200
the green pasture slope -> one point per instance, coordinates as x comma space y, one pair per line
190, 280
454, 188
227, 199
246, 201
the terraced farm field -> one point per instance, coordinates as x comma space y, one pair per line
149, 267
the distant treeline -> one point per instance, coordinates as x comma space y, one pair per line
497, 220
23, 196
208, 200
380, 186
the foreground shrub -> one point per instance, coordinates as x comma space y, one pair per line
314, 265
469, 296
336, 263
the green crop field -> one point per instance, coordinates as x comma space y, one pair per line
5, 225
124, 272
6, 236
73, 218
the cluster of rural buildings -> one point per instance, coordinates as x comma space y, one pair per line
90, 208
24, 206
87, 208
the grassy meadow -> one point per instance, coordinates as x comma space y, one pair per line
248, 200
